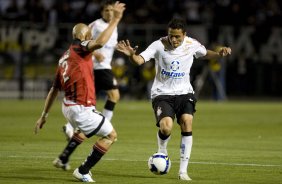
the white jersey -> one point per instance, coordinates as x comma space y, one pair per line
108, 49
173, 65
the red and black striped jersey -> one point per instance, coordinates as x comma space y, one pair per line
75, 76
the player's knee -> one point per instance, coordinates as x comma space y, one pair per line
114, 95
166, 126
79, 136
186, 119
165, 130
113, 136
186, 123
108, 140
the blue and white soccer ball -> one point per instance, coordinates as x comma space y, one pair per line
159, 163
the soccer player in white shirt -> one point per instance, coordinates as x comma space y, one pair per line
172, 93
102, 58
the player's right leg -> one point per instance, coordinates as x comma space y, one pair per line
164, 116
163, 135
77, 137
63, 160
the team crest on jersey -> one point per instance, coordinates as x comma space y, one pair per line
159, 111
174, 67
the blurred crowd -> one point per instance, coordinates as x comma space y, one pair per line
262, 14
218, 12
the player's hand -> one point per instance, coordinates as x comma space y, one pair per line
118, 10
224, 51
125, 47
39, 124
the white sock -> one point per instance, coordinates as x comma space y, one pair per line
185, 152
108, 114
162, 144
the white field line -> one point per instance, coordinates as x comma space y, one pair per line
130, 160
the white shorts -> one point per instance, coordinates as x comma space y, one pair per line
87, 120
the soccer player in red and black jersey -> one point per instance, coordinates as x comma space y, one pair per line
75, 77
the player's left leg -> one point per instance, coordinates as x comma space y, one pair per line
185, 145
101, 146
113, 97
108, 136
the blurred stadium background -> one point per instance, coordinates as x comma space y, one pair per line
34, 34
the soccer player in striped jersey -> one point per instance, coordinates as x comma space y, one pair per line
75, 77
102, 58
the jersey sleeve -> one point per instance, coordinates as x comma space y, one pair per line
150, 52
84, 44
81, 47
200, 50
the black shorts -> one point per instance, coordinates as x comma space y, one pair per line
171, 106
104, 80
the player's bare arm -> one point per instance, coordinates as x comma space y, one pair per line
48, 104
99, 56
222, 52
102, 39
125, 48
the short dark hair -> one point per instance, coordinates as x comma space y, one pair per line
177, 23
106, 3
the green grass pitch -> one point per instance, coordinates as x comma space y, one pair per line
234, 142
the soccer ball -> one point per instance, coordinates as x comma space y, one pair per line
159, 164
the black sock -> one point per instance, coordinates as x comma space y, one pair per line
162, 136
71, 146
109, 105
92, 159
186, 133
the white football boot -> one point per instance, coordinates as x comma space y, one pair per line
184, 176
82, 177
